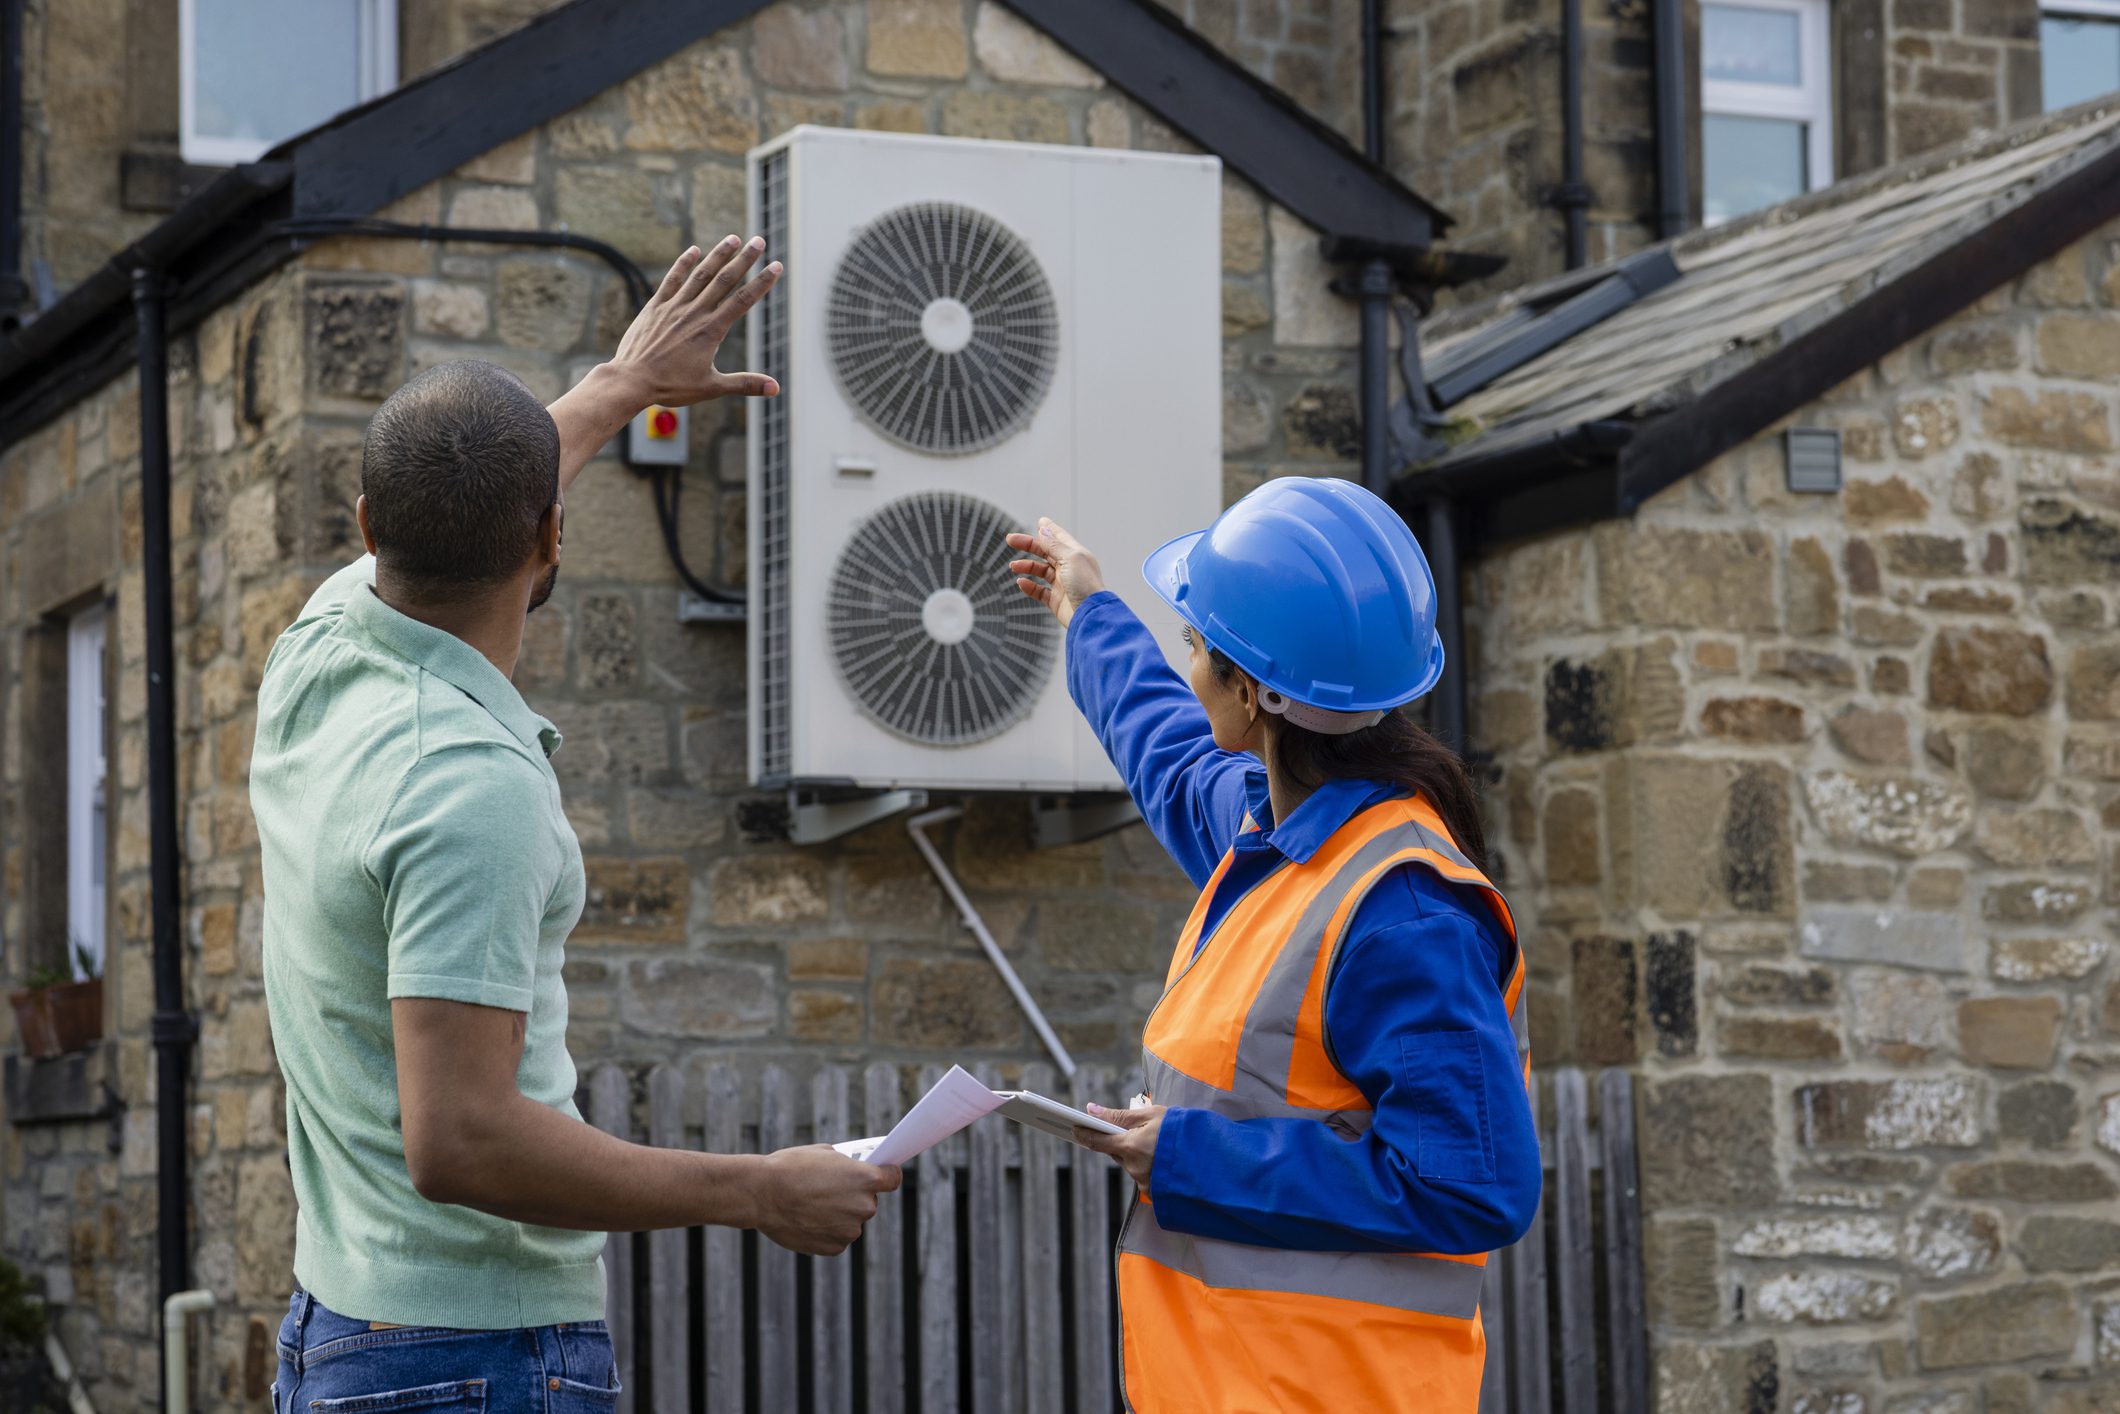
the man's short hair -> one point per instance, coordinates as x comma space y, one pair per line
458, 467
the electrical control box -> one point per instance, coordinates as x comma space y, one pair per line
657, 436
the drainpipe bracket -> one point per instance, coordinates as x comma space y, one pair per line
181, 1027
1572, 196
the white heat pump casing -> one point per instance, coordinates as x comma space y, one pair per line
1124, 449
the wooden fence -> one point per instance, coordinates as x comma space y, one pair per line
985, 1287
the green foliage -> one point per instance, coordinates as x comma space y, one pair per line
87, 965
21, 1313
41, 977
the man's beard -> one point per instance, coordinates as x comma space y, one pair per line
544, 589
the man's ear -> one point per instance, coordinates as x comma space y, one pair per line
360, 517
550, 532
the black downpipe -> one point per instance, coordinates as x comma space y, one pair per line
1573, 197
174, 1027
1373, 79
1446, 713
14, 290
1375, 287
1673, 176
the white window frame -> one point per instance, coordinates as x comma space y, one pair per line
1810, 103
375, 61
87, 634
2077, 10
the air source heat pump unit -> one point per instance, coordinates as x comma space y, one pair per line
969, 335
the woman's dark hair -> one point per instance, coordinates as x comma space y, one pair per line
1397, 750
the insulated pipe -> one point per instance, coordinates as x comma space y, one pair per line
917, 827
1573, 197
177, 1311
173, 1027
1375, 287
1447, 716
1673, 177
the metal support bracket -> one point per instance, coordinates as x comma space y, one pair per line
1073, 819
813, 820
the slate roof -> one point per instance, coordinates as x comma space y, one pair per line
1776, 280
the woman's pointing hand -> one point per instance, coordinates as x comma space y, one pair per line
1056, 571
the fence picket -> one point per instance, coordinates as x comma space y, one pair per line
992, 1357
831, 1278
669, 1274
1494, 1393
611, 1110
938, 1269
1628, 1336
883, 1255
1089, 1197
778, 1336
724, 1252
1531, 1361
1040, 1218
1574, 1254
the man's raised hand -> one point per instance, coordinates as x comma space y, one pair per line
671, 346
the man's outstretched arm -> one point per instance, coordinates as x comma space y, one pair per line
667, 355
473, 1138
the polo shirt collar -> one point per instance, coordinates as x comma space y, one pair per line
453, 661
1313, 822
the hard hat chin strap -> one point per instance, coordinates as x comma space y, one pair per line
1322, 720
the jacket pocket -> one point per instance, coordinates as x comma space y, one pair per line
1447, 1079
573, 1397
457, 1395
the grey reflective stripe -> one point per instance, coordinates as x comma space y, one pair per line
1172, 1087
1266, 1050
1433, 1286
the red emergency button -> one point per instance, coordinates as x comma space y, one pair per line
662, 424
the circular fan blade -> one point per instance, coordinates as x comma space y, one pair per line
930, 633
942, 328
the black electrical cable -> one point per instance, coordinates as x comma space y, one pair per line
665, 481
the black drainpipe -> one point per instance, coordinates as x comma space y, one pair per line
1572, 196
1373, 284
174, 1027
1672, 176
14, 291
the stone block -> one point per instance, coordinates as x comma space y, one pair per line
2041, 1113
1996, 1327
542, 302
2093, 692
449, 309
1808, 666
892, 892
767, 890
1671, 989
2028, 839
2049, 420
821, 1014
1243, 228
635, 900
1812, 590
1606, 988
1924, 426
356, 338
1904, 815
943, 1004
2035, 902
1870, 502
1306, 311
68, 550
1712, 838
1863, 1237
608, 657
1960, 349
1876, 737
1787, 1038
1708, 1140
917, 38
828, 959
492, 209
1570, 829
1953, 1244
1681, 1260
800, 49
1919, 555
1012, 50
1754, 721
1004, 117
2029, 1181
2044, 958
619, 205
2079, 345
2066, 546
2009, 1032
265, 1235
1729, 1379
1668, 576
699, 999
2000, 671
699, 99
1622, 696
1926, 1113
2004, 762
1824, 1296
1321, 423
1759, 984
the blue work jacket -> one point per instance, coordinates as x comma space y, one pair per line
1420, 956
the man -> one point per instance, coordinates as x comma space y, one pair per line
420, 882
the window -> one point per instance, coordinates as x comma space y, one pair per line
85, 833
255, 72
1766, 104
2079, 50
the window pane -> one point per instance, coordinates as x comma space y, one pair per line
1748, 45
2079, 59
1748, 163
266, 70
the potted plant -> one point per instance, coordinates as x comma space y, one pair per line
55, 1014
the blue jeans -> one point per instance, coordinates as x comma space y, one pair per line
332, 1364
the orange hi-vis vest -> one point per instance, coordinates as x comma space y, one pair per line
1212, 1327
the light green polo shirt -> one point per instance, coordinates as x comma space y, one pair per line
413, 846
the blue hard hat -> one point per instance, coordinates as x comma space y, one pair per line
1315, 588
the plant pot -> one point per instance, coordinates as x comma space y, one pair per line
33, 1023
77, 1014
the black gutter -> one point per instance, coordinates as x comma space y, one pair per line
1572, 196
1373, 80
14, 290
1673, 174
174, 1027
1526, 487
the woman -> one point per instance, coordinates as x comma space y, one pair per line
1339, 1130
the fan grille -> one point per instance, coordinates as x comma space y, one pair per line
942, 328
930, 633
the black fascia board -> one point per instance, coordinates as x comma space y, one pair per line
1742, 406
1252, 126
1524, 335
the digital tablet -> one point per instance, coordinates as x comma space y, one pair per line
1038, 1112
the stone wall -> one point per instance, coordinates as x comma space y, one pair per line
706, 933
1811, 805
1957, 68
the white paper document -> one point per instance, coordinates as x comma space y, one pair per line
956, 1100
